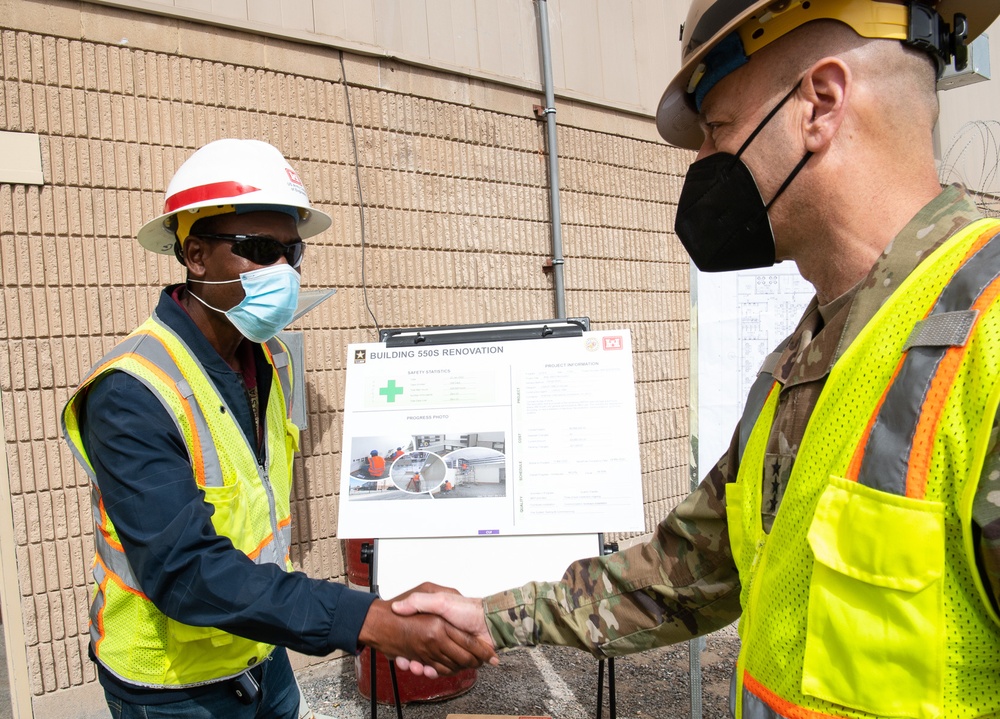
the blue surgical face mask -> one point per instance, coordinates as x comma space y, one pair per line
272, 295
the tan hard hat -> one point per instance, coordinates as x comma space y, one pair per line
760, 22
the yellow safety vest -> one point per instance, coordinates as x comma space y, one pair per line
130, 637
865, 600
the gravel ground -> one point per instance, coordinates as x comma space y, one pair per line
553, 681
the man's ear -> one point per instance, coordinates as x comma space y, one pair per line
827, 87
193, 254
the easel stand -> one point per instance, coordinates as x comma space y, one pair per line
613, 711
368, 557
607, 548
506, 555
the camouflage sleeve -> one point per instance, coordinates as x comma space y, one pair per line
681, 584
986, 515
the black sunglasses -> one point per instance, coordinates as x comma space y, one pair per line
261, 249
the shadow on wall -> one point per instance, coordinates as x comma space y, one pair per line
6, 709
321, 423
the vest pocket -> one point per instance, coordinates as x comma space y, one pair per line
231, 516
875, 628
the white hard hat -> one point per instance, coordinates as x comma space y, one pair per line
236, 174
760, 22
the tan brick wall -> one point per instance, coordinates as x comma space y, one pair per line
455, 181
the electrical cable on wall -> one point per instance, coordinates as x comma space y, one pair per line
361, 198
974, 160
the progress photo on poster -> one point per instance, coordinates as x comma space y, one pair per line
431, 466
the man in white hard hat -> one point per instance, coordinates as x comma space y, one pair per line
854, 523
185, 430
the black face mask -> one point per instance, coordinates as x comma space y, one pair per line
721, 218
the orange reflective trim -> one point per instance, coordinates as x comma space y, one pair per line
919, 466
980, 242
260, 547
100, 368
854, 468
269, 538
196, 456
119, 583
103, 528
104, 603
784, 707
199, 464
109, 575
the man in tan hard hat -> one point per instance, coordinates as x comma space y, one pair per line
854, 524
185, 431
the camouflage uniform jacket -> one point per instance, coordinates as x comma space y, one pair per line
683, 582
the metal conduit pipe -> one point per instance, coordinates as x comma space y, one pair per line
550, 122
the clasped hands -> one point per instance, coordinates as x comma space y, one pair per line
430, 631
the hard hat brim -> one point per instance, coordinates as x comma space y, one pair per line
156, 236
676, 118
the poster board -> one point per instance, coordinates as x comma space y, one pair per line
489, 431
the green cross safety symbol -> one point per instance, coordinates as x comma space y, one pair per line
390, 391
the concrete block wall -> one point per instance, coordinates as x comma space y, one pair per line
456, 227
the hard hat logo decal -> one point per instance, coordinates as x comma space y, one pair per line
204, 193
293, 176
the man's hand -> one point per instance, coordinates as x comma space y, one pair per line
424, 644
465, 613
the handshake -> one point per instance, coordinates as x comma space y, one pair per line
430, 631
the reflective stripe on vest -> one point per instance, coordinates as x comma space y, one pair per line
901, 431
279, 358
107, 550
148, 349
759, 391
97, 606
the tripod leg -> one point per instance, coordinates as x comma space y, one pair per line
395, 689
600, 688
611, 689
371, 665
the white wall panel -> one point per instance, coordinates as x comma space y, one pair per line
224, 9
360, 21
974, 149
445, 35
657, 47
602, 49
265, 12
297, 14
581, 46
619, 68
413, 15
330, 18
488, 35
